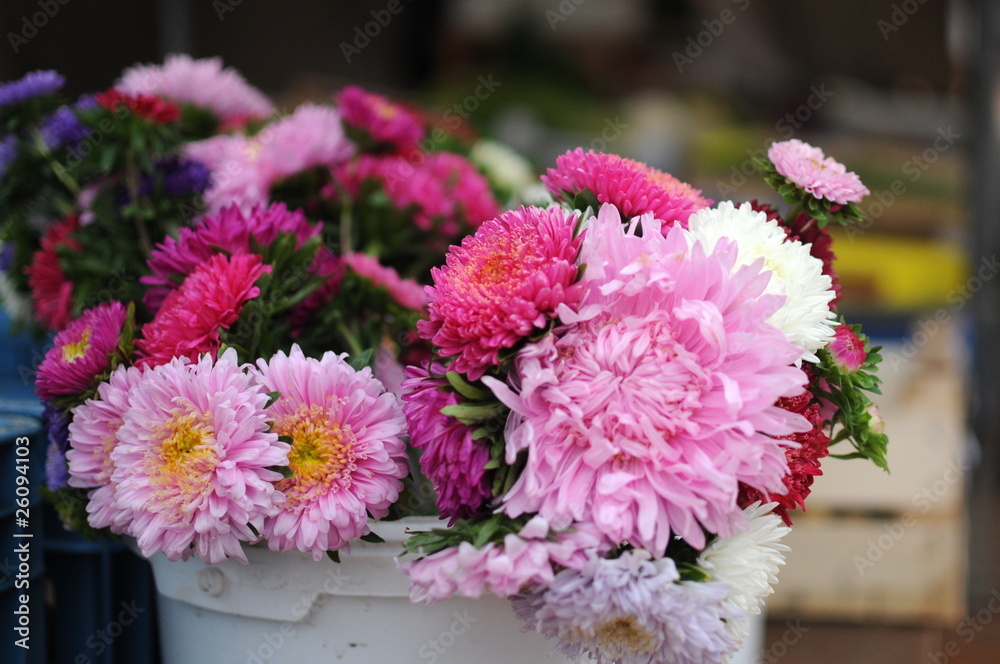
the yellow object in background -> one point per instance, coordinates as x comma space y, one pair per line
904, 274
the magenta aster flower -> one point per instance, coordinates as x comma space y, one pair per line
210, 299
81, 352
405, 292
230, 231
503, 283
631, 186
646, 412
444, 192
203, 83
809, 169
93, 437
452, 460
847, 349
191, 463
385, 121
347, 458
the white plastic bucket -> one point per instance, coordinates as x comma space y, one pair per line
286, 608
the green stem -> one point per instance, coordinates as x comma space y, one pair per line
793, 213
57, 168
349, 338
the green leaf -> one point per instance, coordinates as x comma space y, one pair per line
371, 538
284, 471
466, 389
334, 556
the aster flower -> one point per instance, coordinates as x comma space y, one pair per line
231, 231
384, 122
443, 192
62, 128
31, 85
803, 459
347, 455
178, 177
56, 421
81, 352
92, 438
811, 170
847, 349
192, 457
51, 291
631, 186
502, 284
748, 563
8, 153
145, 106
805, 315
204, 83
452, 460
632, 610
191, 318
646, 412
406, 292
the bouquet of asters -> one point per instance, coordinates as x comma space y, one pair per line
630, 390
233, 293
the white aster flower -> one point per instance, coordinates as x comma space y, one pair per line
796, 274
748, 562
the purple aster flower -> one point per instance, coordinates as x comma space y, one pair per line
6, 256
180, 177
57, 429
8, 153
632, 610
62, 128
31, 85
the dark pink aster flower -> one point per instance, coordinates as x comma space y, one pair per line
452, 460
847, 349
230, 231
51, 291
81, 352
384, 120
503, 283
631, 186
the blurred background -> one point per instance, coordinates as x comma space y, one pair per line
897, 568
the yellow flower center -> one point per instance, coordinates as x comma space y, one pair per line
180, 469
74, 350
322, 457
624, 634
385, 110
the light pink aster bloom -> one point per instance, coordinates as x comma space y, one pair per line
347, 458
646, 412
191, 463
205, 83
80, 352
245, 168
406, 292
631, 186
92, 438
522, 560
230, 231
811, 170
503, 283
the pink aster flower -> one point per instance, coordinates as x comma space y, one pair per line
502, 569
406, 292
191, 463
645, 414
503, 283
347, 458
81, 352
245, 168
383, 120
230, 231
848, 349
204, 83
809, 169
452, 460
210, 299
444, 192
631, 186
93, 437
